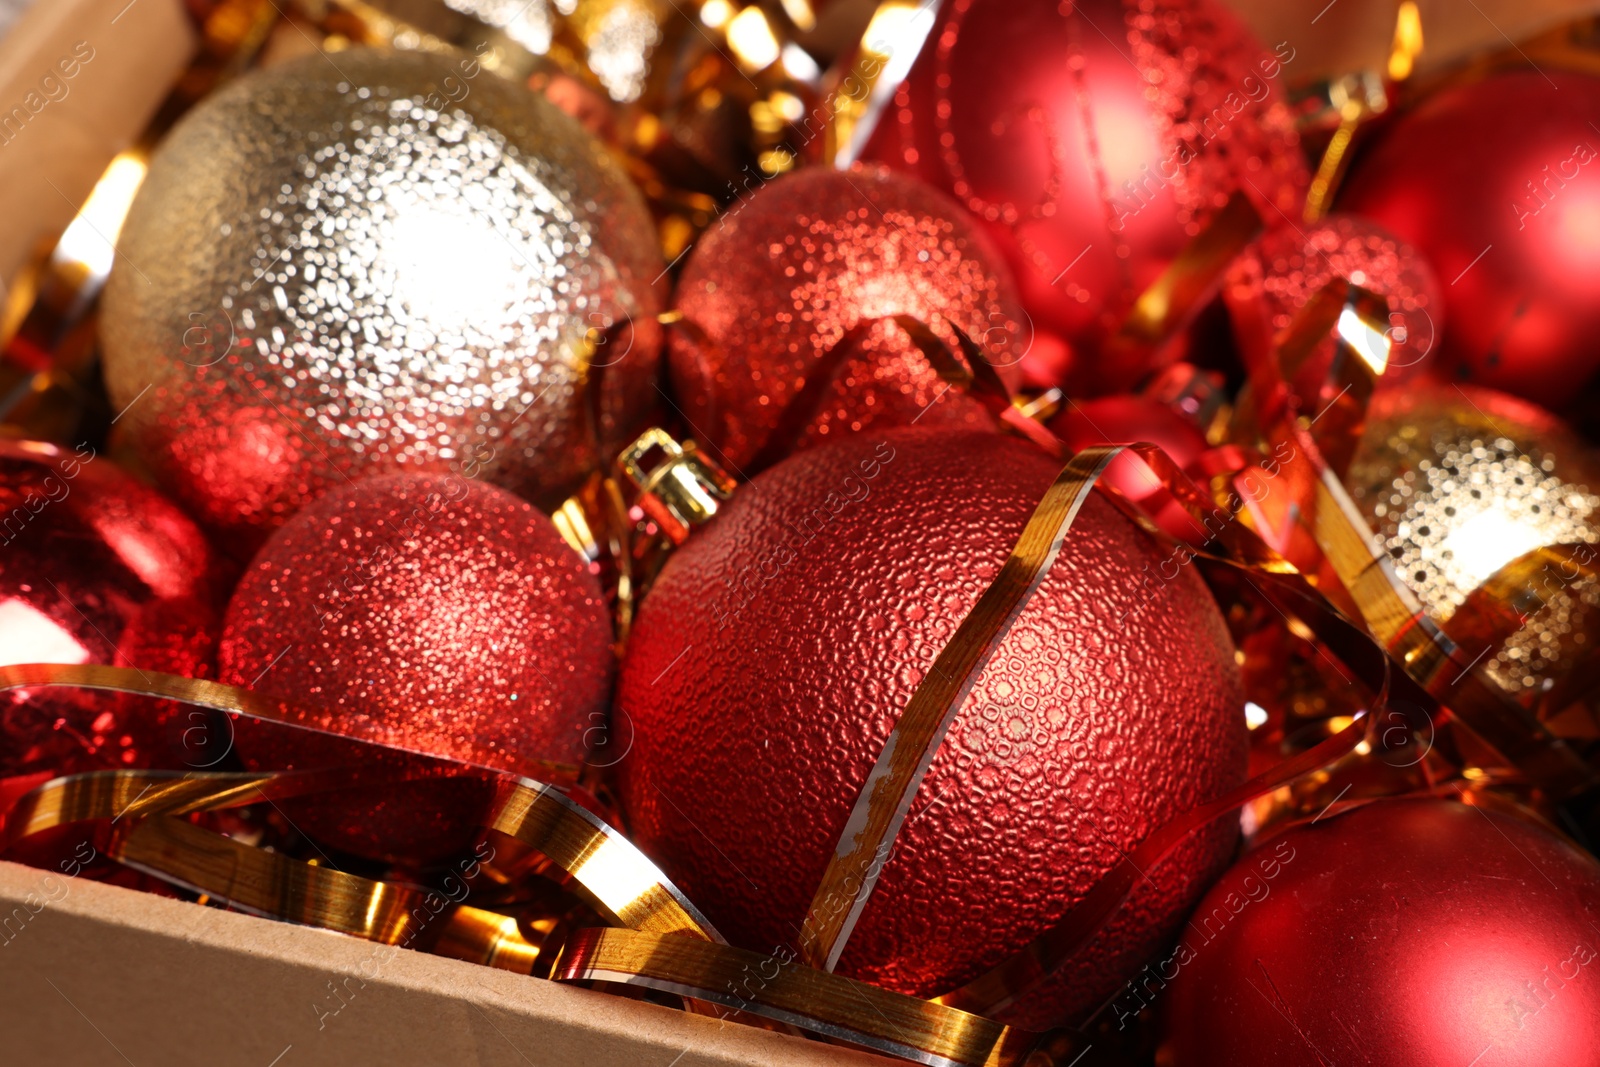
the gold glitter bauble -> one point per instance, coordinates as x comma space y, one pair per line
368, 262
1457, 482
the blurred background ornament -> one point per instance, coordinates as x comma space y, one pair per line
335, 269
1095, 139
1127, 419
779, 282
1402, 932
1458, 482
779, 644
96, 568
1286, 267
430, 613
1497, 183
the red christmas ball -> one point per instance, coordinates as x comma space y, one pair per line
1128, 419
97, 568
1095, 139
1286, 268
1414, 932
779, 280
426, 612
779, 645
1498, 184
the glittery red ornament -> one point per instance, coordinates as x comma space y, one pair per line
1498, 183
96, 568
1096, 138
1406, 933
779, 280
780, 643
1287, 267
1125, 420
427, 612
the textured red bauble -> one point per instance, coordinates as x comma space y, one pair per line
1498, 183
96, 568
1095, 138
779, 280
1286, 268
430, 613
780, 644
1405, 933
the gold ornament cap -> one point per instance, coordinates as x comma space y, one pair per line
682, 491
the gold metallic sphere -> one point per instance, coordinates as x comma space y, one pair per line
1457, 482
368, 262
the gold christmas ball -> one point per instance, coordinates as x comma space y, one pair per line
1457, 482
369, 262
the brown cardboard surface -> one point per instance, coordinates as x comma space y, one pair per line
93, 975
1338, 36
51, 164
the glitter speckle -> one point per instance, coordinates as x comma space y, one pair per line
1458, 483
340, 285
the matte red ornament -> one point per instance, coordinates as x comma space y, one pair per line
1498, 183
1287, 266
780, 279
1126, 420
781, 642
1096, 139
427, 612
1405, 933
96, 568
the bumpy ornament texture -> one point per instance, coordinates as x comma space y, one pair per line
1457, 482
339, 270
1095, 139
96, 568
779, 645
781, 277
1498, 183
431, 613
1405, 933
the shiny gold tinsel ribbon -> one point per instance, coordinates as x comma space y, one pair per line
273, 885
779, 988
602, 864
1322, 528
886, 796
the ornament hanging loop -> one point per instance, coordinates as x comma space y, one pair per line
682, 491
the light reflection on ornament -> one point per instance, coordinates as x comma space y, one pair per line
1579, 243
1254, 714
451, 264
28, 635
1457, 482
1370, 344
1487, 541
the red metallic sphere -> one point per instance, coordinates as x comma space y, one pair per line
96, 568
1498, 183
1287, 267
780, 279
779, 645
427, 612
1096, 139
1411, 933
